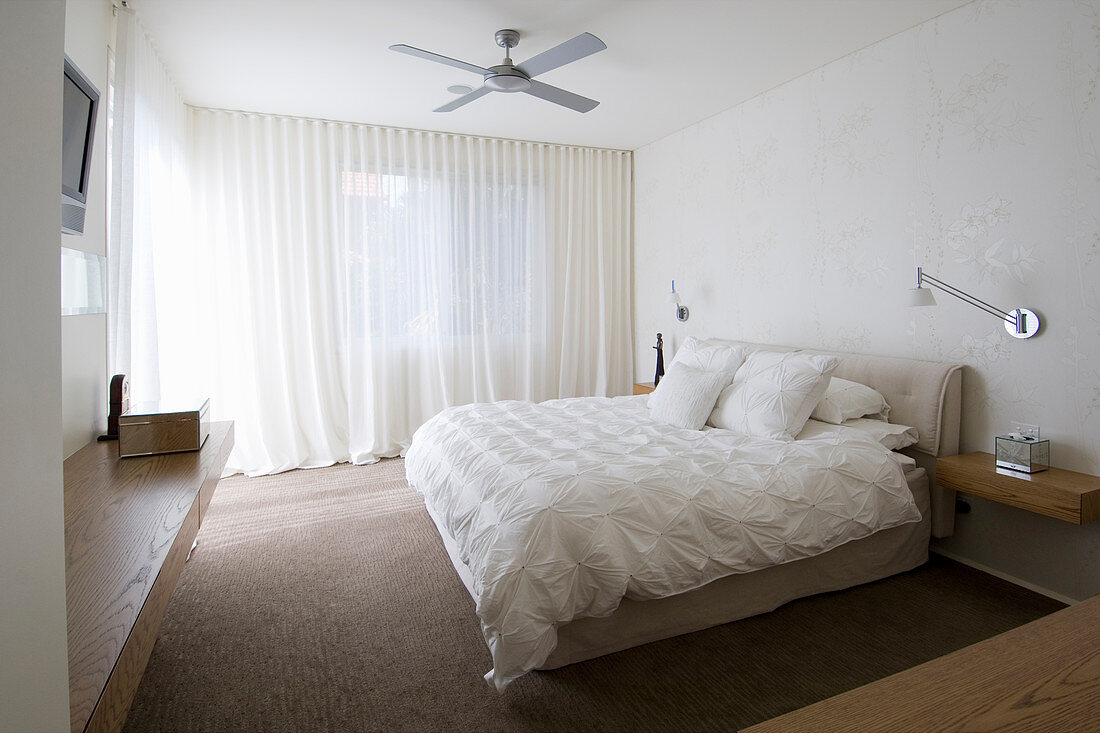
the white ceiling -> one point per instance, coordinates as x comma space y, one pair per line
668, 63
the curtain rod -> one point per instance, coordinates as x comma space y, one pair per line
403, 129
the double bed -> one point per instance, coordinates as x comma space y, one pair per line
584, 526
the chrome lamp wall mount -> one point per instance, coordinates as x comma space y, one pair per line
682, 312
1020, 323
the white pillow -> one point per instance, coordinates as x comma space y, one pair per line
711, 356
890, 436
773, 394
845, 400
686, 395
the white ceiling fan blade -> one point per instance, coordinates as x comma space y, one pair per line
583, 45
464, 99
560, 96
421, 53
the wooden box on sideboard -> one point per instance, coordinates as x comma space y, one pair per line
151, 428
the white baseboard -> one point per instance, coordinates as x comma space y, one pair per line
1005, 576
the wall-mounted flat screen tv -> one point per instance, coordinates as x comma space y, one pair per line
81, 101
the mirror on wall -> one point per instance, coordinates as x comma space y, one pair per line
83, 283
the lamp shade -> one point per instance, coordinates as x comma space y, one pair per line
916, 297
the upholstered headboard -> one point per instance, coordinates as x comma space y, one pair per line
926, 395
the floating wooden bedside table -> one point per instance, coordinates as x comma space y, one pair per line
643, 387
1066, 495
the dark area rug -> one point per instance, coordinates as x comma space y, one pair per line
323, 600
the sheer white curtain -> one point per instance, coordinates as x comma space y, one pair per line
360, 279
152, 259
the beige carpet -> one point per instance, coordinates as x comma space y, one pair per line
323, 600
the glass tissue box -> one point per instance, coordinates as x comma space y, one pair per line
1024, 455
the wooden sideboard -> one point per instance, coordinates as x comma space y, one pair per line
1042, 676
129, 526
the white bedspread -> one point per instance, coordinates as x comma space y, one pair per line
561, 509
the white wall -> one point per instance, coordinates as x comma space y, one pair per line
970, 145
84, 338
34, 690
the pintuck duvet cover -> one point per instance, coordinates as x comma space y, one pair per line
563, 508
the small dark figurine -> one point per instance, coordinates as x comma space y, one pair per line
660, 360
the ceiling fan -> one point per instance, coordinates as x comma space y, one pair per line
509, 77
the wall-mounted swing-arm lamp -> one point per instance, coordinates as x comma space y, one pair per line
1020, 323
682, 312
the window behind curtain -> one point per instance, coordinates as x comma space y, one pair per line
489, 261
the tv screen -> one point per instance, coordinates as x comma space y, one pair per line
81, 99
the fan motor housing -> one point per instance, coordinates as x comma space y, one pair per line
507, 79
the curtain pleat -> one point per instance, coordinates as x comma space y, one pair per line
151, 255
361, 279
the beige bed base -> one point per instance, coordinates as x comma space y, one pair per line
923, 394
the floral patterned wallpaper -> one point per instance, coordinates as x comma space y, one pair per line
969, 145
